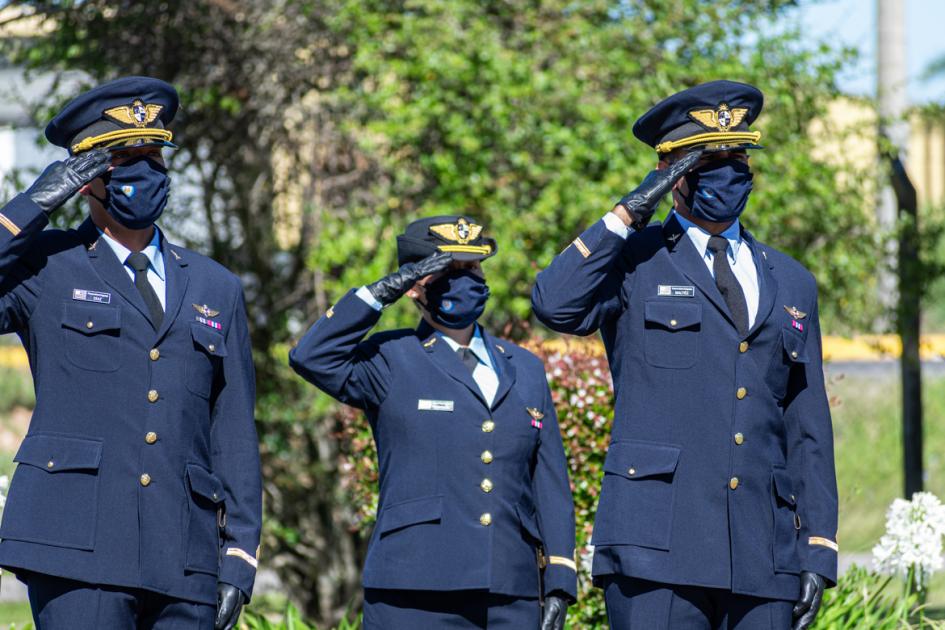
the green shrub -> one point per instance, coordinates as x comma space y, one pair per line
16, 389
292, 620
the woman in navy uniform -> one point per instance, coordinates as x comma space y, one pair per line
136, 502
719, 500
475, 521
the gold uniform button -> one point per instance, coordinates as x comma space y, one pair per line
485, 520
212, 348
739, 438
151, 437
672, 323
486, 457
488, 426
486, 485
733, 483
90, 324
741, 392
793, 354
743, 346
145, 480
50, 464
153, 396
632, 472
155, 354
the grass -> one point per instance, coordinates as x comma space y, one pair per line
15, 614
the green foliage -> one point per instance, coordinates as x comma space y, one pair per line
292, 620
16, 389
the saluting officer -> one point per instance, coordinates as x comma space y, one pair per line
719, 499
137, 499
474, 491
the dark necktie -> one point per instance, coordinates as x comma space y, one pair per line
728, 284
139, 262
469, 358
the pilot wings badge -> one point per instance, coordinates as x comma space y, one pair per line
205, 310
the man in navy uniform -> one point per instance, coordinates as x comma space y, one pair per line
136, 502
719, 499
475, 520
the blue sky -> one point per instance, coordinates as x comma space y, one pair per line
853, 23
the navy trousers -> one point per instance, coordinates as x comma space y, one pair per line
634, 604
61, 604
394, 609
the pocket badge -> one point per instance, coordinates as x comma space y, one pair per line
536, 417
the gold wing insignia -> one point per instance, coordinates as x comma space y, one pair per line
534, 413
738, 115
138, 114
205, 310
794, 312
706, 118
446, 231
461, 232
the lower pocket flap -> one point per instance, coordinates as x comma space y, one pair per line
673, 314
410, 513
204, 483
59, 453
529, 520
636, 460
783, 485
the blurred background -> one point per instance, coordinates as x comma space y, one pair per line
312, 131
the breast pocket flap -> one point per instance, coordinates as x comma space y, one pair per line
410, 513
91, 320
204, 483
57, 453
639, 460
673, 314
210, 340
795, 346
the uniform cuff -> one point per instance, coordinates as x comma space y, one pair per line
615, 225
821, 558
369, 299
21, 214
239, 569
560, 576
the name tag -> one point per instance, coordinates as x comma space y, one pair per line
81, 295
434, 405
676, 291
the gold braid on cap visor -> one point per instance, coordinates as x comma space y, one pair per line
118, 138
716, 137
467, 249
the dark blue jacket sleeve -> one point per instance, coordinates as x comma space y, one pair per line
333, 357
812, 457
236, 455
555, 506
580, 289
21, 221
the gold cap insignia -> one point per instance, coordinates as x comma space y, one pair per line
205, 310
722, 119
534, 413
794, 312
461, 232
138, 113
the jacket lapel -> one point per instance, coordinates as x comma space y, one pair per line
110, 269
504, 367
447, 360
178, 278
767, 284
685, 256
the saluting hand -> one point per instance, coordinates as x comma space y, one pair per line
556, 612
61, 180
229, 606
392, 287
640, 203
812, 593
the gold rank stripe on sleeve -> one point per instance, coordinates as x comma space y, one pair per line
242, 555
10, 225
823, 542
581, 247
565, 562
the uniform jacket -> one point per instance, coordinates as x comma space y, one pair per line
720, 470
141, 440
467, 492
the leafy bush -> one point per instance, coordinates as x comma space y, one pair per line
291, 620
16, 389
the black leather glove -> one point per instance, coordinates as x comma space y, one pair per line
556, 611
63, 179
812, 593
230, 602
391, 288
641, 202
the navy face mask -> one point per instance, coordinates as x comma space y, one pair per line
457, 299
719, 190
136, 192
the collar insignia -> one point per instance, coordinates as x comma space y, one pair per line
793, 312
461, 232
205, 310
673, 237
534, 413
429, 343
139, 114
721, 119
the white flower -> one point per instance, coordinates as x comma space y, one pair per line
913, 538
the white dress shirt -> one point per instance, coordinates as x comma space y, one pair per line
485, 375
739, 254
156, 276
